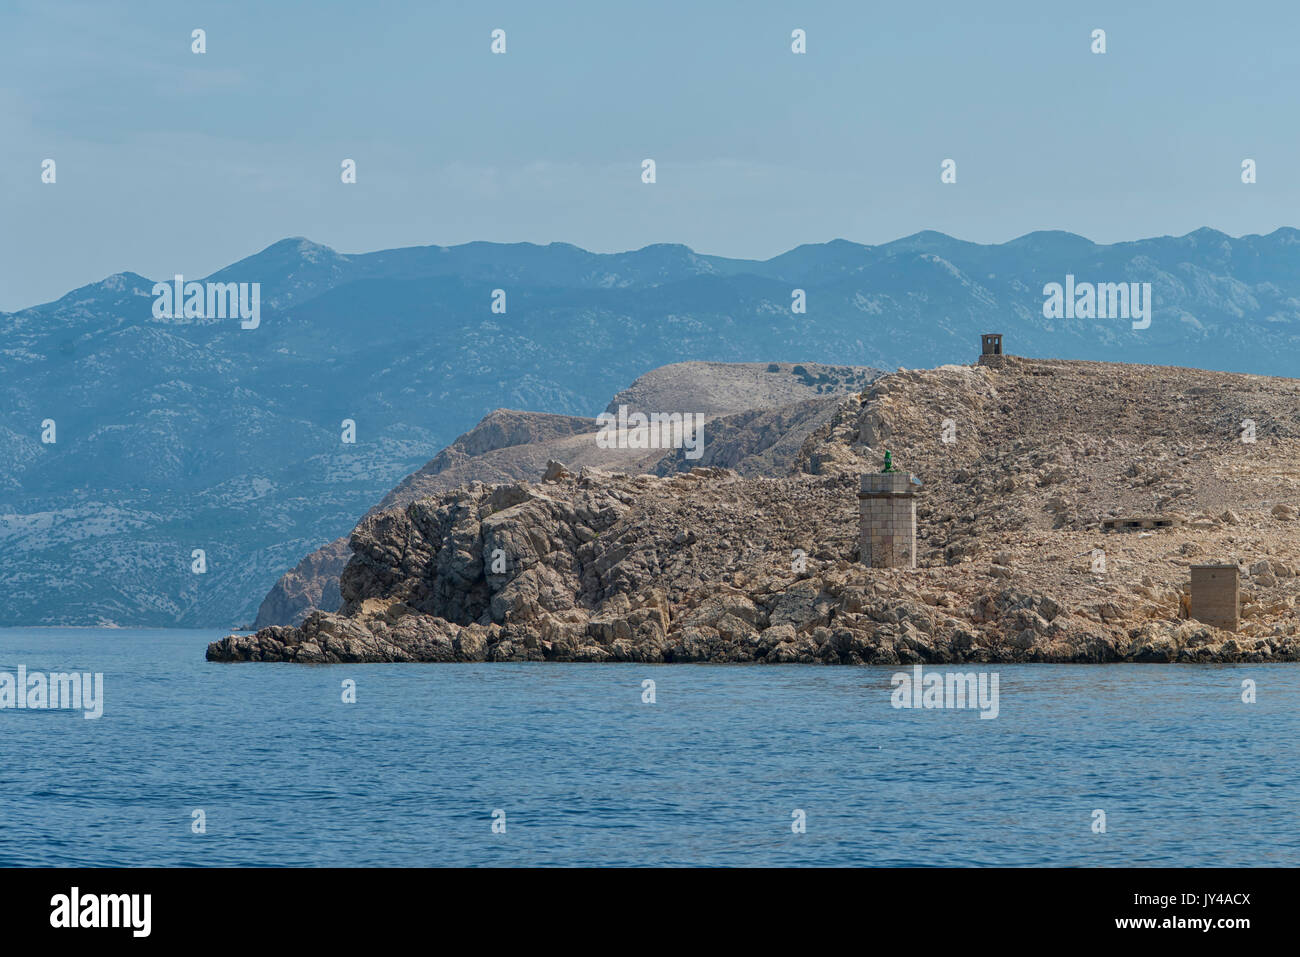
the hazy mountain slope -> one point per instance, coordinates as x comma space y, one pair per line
719, 388
758, 441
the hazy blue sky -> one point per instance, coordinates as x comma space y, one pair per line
174, 162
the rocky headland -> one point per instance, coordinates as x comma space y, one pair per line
1022, 462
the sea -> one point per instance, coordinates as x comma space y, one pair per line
194, 763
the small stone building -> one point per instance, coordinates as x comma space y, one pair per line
991, 354
1216, 595
887, 519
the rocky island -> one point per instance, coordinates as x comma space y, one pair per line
1025, 551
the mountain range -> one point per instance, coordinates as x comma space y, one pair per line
173, 435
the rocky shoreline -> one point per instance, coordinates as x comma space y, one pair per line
416, 590
901, 637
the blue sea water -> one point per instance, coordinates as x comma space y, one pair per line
286, 773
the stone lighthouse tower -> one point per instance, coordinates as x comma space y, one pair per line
887, 516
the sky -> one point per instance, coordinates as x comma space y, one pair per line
170, 161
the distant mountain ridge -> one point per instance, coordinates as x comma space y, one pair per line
175, 435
